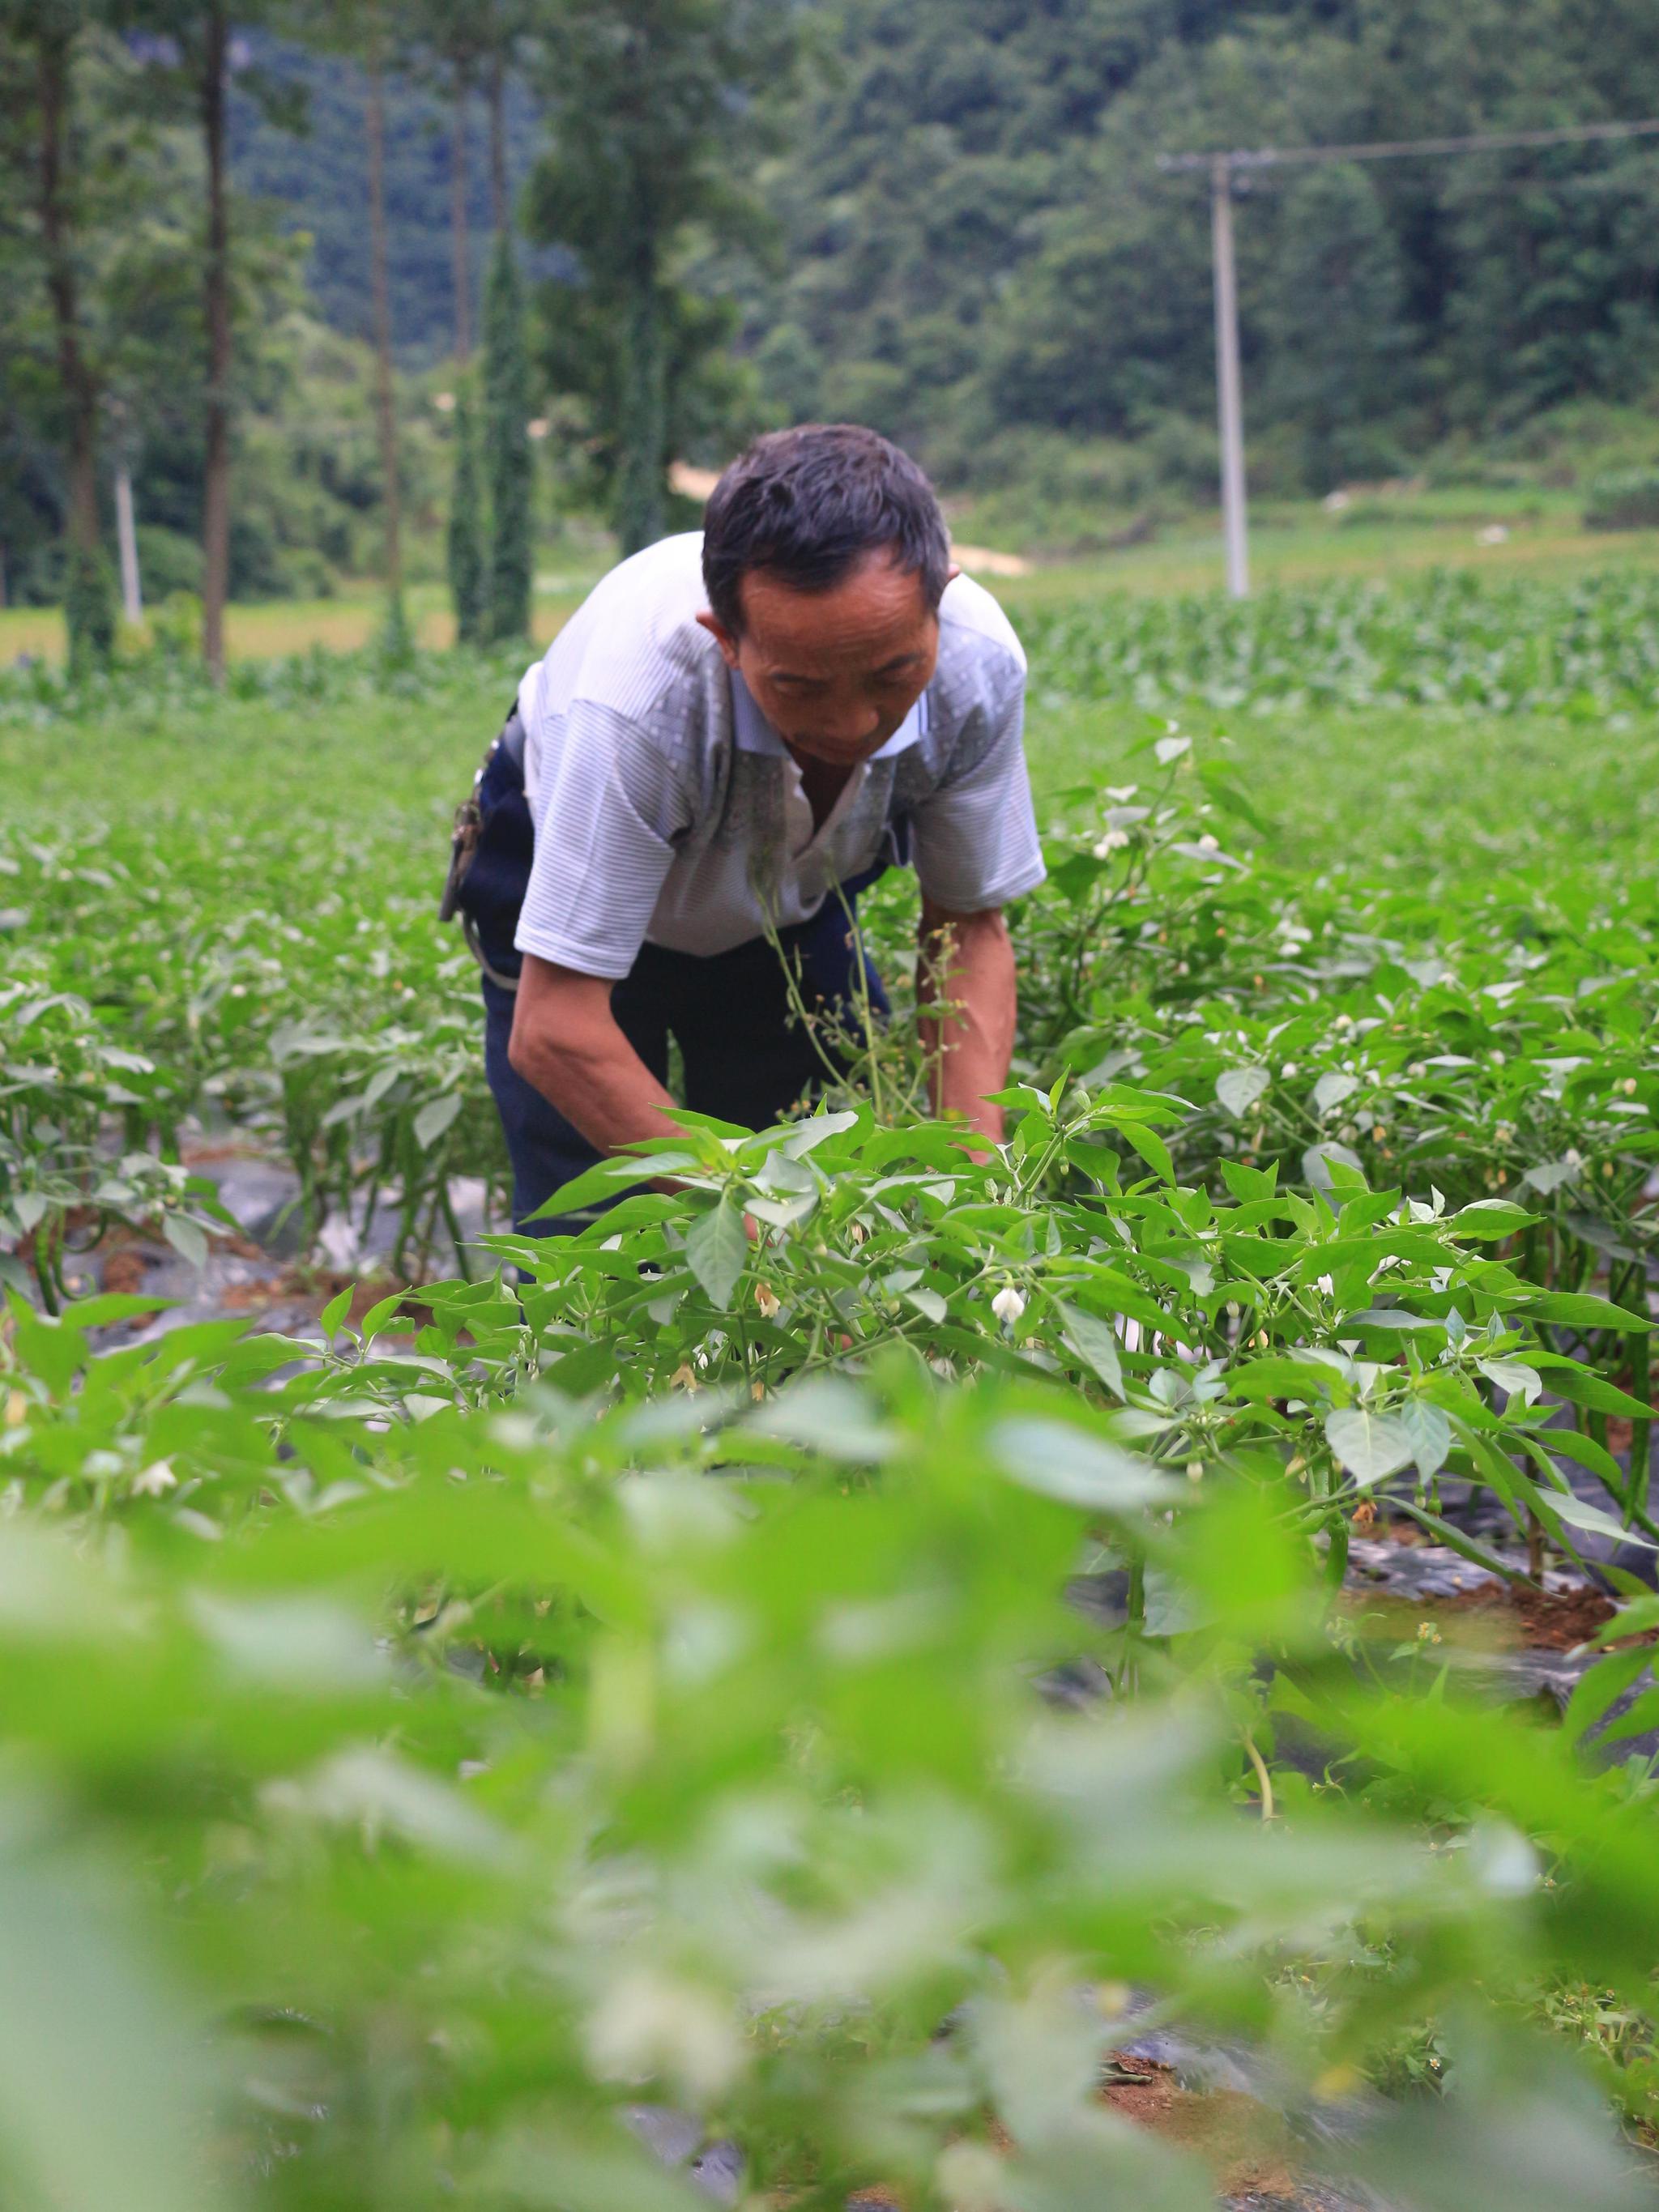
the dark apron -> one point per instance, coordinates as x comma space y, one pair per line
746, 1060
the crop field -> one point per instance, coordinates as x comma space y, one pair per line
1116, 1675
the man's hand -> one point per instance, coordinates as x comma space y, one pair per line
967, 977
566, 1042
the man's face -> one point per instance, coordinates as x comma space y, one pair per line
835, 672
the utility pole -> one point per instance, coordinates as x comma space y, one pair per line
126, 538
1230, 379
124, 443
1230, 383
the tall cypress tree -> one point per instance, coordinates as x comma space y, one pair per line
656, 111
43, 61
465, 544
89, 608
506, 449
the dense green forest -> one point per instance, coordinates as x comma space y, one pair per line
942, 216
973, 243
982, 245
313, 176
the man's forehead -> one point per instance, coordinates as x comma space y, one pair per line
877, 613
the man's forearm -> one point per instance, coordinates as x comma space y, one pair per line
966, 978
566, 1042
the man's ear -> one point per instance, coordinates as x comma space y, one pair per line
952, 573
722, 637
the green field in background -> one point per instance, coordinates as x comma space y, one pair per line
1401, 534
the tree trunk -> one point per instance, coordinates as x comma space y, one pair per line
89, 627
215, 502
498, 206
641, 517
384, 407
457, 224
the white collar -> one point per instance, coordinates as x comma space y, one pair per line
754, 734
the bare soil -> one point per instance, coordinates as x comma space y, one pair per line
1246, 2147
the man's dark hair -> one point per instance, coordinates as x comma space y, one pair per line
807, 506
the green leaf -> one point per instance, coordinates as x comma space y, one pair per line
828, 1414
434, 1118
1250, 1185
84, 2004
1393, 1319
380, 1317
1150, 1147
807, 1136
589, 1368
1331, 1090
109, 1306
1578, 1309
1095, 1343
1514, 1377
1604, 1685
1490, 1220
332, 1318
1581, 1514
30, 1208
717, 1251
605, 1179
1238, 1089
186, 1239
1078, 1469
1222, 789
1453, 1537
1369, 1445
1579, 1387
1428, 1431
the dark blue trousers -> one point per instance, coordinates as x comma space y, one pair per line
744, 1060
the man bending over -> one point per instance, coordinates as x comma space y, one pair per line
736, 735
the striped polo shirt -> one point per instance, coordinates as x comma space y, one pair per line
668, 810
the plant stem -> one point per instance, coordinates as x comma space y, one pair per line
1264, 1780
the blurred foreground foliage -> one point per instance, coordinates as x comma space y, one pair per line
823, 1683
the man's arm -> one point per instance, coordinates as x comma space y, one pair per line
565, 1042
967, 977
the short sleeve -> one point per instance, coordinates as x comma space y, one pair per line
609, 807
975, 837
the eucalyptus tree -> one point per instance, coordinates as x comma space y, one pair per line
367, 34
657, 109
505, 25
48, 184
187, 48
449, 47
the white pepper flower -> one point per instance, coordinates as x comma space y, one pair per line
1008, 1305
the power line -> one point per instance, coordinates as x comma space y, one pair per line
1221, 168
1273, 157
